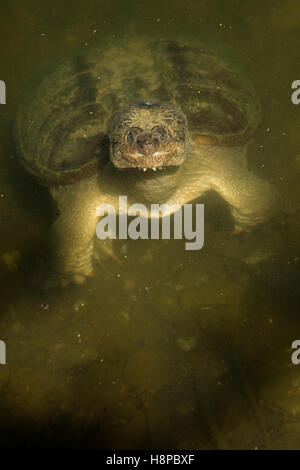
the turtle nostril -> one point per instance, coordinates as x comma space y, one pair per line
146, 145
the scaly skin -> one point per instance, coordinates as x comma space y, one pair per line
222, 169
72, 235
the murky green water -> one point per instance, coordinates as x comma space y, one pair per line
175, 349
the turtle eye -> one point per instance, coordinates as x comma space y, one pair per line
162, 131
132, 134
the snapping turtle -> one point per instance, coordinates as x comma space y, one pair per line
100, 119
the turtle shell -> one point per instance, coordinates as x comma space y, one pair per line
63, 129
216, 95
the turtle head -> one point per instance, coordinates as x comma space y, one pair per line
149, 136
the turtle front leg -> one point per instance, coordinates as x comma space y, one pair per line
224, 170
251, 199
72, 236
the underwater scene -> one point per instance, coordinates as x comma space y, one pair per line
118, 331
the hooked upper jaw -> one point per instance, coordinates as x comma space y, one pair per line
149, 136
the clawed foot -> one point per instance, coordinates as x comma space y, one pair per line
239, 228
65, 279
102, 251
45, 277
